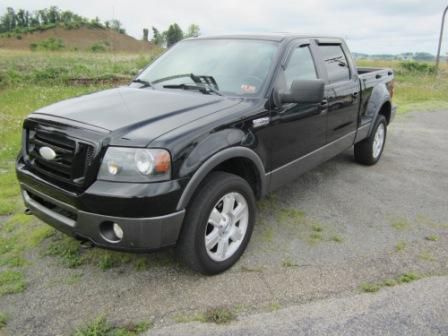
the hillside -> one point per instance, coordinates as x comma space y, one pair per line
82, 38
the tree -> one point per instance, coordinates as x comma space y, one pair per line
193, 30
8, 21
157, 38
173, 35
423, 56
116, 25
53, 14
145, 34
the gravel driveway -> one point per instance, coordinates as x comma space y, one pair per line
335, 228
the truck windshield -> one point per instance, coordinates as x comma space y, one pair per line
234, 67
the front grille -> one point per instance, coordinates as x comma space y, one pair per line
73, 156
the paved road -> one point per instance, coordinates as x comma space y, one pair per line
316, 239
419, 308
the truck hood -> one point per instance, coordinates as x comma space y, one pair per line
123, 111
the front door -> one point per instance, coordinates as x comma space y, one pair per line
296, 129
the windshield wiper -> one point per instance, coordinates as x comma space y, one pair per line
200, 88
142, 81
206, 82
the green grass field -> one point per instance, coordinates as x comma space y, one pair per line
29, 80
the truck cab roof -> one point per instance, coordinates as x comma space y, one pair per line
277, 37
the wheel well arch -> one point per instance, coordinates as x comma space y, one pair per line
386, 111
240, 161
244, 168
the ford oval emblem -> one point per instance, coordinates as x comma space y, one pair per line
47, 153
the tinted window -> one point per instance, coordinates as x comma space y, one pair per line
335, 62
300, 66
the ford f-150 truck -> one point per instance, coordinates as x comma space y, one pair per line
180, 155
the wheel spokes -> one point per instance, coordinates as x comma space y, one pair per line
238, 212
223, 246
236, 234
212, 239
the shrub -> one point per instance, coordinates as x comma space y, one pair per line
50, 44
417, 67
99, 46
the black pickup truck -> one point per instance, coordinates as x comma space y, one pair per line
179, 156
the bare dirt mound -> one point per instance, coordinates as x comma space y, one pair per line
78, 39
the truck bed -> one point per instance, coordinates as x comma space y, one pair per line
370, 77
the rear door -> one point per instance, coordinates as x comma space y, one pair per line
342, 90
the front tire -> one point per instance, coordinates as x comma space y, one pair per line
368, 152
218, 224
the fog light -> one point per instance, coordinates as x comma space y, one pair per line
118, 231
111, 232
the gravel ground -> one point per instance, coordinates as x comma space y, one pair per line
319, 238
416, 309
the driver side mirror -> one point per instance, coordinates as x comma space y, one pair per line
305, 91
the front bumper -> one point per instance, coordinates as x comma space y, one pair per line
72, 215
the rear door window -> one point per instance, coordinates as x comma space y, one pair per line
335, 62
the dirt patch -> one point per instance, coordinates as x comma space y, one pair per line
78, 39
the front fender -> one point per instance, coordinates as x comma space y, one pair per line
205, 167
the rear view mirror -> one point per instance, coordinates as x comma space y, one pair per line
309, 91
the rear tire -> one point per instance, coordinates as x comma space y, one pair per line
218, 224
369, 151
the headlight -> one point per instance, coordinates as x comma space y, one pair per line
135, 165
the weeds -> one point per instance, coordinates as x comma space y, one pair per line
401, 245
432, 238
66, 249
375, 287
400, 224
289, 263
11, 282
101, 327
220, 315
3, 320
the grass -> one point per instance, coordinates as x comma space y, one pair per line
416, 90
11, 282
3, 320
432, 238
68, 68
400, 224
306, 228
69, 253
426, 256
289, 263
400, 246
248, 269
337, 238
101, 327
368, 287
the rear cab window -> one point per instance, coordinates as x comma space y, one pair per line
335, 62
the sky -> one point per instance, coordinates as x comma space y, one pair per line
374, 26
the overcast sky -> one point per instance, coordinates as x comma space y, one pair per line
375, 26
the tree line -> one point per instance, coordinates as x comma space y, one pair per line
172, 35
23, 21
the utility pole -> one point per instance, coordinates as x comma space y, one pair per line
440, 39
